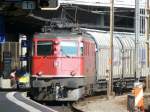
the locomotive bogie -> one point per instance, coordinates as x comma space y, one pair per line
60, 89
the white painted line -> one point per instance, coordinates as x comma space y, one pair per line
27, 107
39, 104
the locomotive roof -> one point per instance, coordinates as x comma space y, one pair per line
58, 35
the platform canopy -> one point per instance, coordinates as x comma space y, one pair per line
105, 3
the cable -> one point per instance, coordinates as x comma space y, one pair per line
103, 12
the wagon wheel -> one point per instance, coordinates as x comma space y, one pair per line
91, 92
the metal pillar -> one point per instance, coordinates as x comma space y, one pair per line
137, 34
147, 42
110, 83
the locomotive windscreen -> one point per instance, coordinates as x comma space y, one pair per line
44, 48
69, 48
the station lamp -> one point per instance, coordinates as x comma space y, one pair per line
49, 4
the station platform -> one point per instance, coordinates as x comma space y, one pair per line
115, 104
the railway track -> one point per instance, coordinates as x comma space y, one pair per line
65, 108
68, 106
59, 106
71, 106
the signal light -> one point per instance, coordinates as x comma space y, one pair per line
49, 4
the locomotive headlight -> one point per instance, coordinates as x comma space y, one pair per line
39, 73
56, 42
56, 63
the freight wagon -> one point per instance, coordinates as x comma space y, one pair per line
129, 64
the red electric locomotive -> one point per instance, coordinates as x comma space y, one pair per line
63, 66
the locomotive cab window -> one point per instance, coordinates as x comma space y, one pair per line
44, 48
69, 48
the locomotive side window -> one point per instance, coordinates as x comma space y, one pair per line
81, 48
44, 48
69, 48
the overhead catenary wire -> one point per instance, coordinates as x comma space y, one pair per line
74, 18
104, 12
107, 13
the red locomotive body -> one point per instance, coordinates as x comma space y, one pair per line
63, 66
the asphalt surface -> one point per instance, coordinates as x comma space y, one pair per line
16, 102
8, 106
